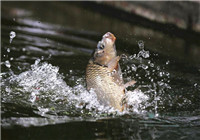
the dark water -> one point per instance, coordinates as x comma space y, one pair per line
43, 94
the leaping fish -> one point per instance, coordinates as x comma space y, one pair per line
104, 76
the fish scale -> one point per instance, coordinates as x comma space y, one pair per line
100, 79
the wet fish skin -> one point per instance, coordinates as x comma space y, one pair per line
103, 74
108, 91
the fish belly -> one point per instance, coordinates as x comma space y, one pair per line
108, 92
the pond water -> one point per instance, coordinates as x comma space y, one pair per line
45, 49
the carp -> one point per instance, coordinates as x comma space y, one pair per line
104, 76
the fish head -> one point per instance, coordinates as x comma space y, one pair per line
106, 49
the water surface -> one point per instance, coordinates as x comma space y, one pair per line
43, 91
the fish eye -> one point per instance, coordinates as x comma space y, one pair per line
101, 46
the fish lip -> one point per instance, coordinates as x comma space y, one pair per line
109, 35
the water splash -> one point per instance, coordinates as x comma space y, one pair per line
151, 79
12, 35
136, 101
43, 87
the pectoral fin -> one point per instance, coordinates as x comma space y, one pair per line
113, 64
130, 83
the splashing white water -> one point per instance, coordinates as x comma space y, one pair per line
151, 78
136, 99
45, 88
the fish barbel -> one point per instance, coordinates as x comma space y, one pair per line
104, 76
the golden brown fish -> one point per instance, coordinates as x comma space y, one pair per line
103, 74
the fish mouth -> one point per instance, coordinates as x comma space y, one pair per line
109, 35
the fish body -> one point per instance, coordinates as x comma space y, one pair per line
108, 91
103, 74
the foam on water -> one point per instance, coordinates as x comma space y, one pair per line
45, 88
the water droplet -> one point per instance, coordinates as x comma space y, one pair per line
49, 56
141, 44
151, 65
12, 35
129, 71
23, 49
7, 63
133, 67
167, 62
145, 54
37, 61
42, 58
124, 56
18, 67
127, 68
160, 74
156, 114
11, 58
195, 85
167, 74
149, 78
160, 83
8, 89
8, 49
132, 57
143, 66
